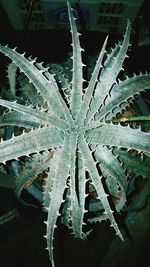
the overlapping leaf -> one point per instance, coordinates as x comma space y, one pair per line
77, 132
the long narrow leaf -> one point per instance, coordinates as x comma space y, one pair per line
41, 118
121, 93
120, 136
109, 76
32, 142
96, 180
77, 72
81, 193
56, 196
14, 118
44, 83
112, 170
90, 89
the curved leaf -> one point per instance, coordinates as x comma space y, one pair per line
14, 118
28, 172
28, 143
31, 114
109, 76
45, 84
120, 136
121, 93
112, 170
137, 164
96, 180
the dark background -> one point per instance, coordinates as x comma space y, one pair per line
54, 45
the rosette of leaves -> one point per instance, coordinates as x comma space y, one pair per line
80, 130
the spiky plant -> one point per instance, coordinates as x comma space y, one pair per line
79, 129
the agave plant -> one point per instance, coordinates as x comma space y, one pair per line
79, 128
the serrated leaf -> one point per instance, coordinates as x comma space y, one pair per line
69, 127
121, 93
29, 171
109, 76
78, 206
120, 136
115, 177
14, 118
77, 74
32, 142
56, 197
90, 89
96, 180
137, 164
42, 118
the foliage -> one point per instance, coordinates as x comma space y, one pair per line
76, 125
